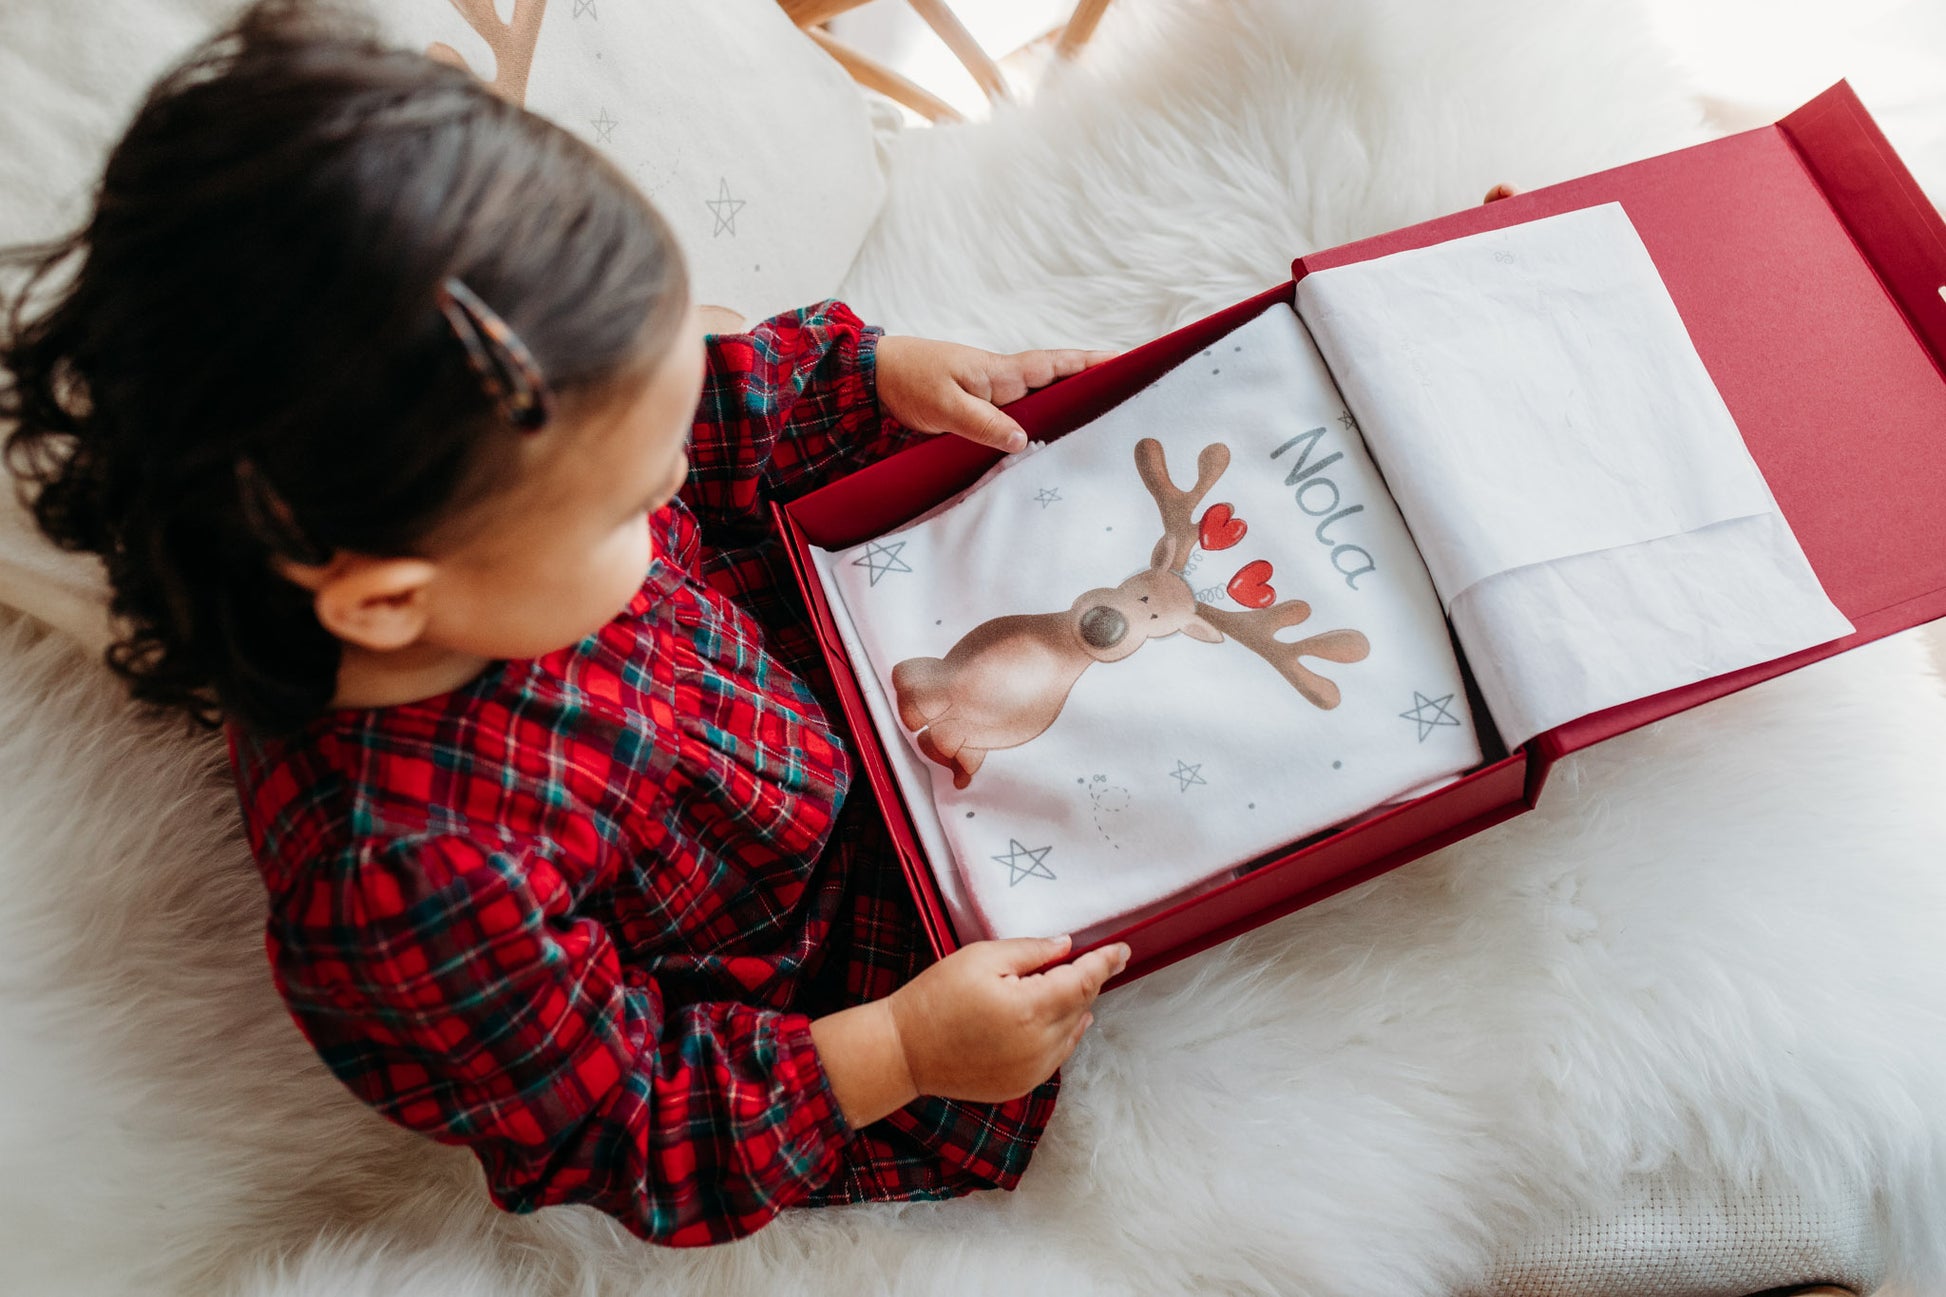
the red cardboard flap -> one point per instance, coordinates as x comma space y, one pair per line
1806, 266
1874, 195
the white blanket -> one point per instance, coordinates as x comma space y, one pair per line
1184, 635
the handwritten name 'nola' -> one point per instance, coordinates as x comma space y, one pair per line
1313, 488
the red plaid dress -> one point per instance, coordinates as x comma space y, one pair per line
578, 915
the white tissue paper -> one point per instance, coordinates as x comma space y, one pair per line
1581, 495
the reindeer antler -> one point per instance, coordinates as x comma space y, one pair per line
512, 44
1257, 631
1178, 507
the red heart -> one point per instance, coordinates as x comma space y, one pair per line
1251, 585
1219, 529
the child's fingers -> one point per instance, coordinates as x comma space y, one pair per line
1022, 955
1039, 368
1097, 966
976, 420
1008, 378
1075, 985
1026, 370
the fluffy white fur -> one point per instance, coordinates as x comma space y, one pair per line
1714, 947
1206, 143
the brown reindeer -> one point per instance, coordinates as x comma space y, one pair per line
1007, 679
512, 43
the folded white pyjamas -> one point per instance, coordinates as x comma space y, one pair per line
1184, 635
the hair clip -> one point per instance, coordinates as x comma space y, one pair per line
505, 367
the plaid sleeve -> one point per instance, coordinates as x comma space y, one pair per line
449, 986
786, 407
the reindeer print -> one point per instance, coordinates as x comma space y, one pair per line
512, 43
1007, 679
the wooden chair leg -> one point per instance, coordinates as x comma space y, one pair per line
810, 15
1081, 25
985, 72
813, 13
875, 76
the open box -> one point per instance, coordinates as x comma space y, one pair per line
1810, 272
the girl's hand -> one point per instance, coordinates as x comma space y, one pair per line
981, 1024
934, 386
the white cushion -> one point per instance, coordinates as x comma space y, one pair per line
753, 143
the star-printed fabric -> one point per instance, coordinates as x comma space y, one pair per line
1177, 639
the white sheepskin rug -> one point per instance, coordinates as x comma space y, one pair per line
1716, 948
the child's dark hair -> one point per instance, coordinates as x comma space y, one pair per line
241, 356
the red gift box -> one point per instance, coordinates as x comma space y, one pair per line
1810, 272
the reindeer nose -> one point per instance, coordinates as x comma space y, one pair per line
1102, 627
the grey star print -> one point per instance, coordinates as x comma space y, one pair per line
604, 128
880, 558
1048, 495
586, 7
725, 209
1185, 775
1025, 862
1350, 423
1429, 713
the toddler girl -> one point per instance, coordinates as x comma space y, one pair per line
386, 406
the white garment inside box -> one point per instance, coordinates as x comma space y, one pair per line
914, 779
1581, 494
1169, 767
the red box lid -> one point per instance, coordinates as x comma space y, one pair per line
1808, 268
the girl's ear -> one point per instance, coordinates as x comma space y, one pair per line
378, 604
